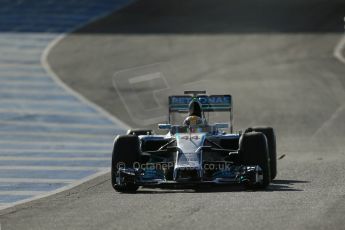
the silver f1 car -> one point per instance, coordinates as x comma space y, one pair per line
194, 151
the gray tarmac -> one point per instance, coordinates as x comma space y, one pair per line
277, 60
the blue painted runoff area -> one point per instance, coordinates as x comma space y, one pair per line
48, 137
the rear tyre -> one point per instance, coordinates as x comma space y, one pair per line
272, 149
254, 151
126, 152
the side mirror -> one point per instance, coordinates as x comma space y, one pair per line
164, 126
222, 125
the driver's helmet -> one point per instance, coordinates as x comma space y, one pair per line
195, 108
192, 121
194, 117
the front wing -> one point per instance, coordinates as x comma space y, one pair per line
152, 177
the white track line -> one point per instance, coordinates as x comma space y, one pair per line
46, 66
338, 50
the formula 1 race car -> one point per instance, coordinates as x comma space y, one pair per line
194, 151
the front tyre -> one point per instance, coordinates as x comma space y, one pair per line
126, 152
253, 150
272, 149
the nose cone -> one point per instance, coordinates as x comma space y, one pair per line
188, 162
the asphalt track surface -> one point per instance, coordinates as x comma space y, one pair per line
276, 59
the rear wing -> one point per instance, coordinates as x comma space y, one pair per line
211, 103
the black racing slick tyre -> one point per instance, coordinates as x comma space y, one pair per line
272, 149
254, 151
126, 152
